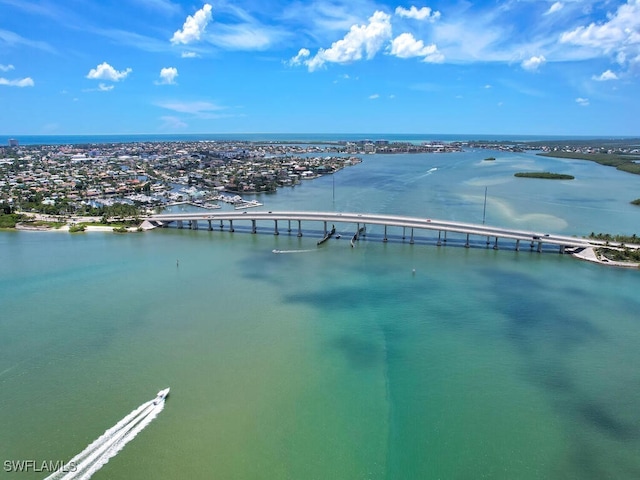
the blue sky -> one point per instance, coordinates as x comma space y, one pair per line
569, 67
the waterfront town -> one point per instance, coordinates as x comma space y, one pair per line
76, 179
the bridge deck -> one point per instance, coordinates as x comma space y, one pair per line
384, 220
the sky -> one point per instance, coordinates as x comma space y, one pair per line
568, 67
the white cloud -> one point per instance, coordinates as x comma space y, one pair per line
604, 76
532, 64
167, 76
619, 35
300, 57
104, 71
102, 87
374, 96
359, 41
424, 13
406, 46
194, 26
487, 86
554, 8
6, 68
583, 102
23, 82
189, 55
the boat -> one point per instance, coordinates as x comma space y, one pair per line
327, 236
162, 394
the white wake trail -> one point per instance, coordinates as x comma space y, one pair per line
98, 453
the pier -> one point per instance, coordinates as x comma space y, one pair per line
440, 232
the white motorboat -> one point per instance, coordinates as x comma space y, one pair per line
162, 394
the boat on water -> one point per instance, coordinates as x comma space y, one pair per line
162, 394
327, 236
247, 204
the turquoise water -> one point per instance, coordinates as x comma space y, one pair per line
336, 362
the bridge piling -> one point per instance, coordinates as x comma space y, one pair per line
385, 235
439, 240
253, 226
275, 231
299, 228
210, 227
288, 226
518, 245
221, 225
467, 243
231, 226
495, 245
179, 223
411, 240
403, 235
539, 247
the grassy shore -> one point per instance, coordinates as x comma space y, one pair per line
544, 175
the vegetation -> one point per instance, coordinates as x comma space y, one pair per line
77, 228
489, 159
122, 229
619, 255
636, 201
607, 237
622, 161
9, 220
545, 175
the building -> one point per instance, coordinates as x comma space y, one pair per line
13, 142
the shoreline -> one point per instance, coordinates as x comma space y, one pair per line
587, 254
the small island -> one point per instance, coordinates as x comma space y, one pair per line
489, 159
635, 202
545, 175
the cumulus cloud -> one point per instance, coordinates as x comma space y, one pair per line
532, 64
554, 8
168, 76
194, 26
583, 102
6, 68
23, 82
104, 71
606, 75
424, 13
361, 40
619, 35
406, 46
302, 55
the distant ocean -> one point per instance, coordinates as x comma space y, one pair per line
271, 137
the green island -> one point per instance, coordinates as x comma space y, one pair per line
489, 159
545, 175
636, 201
626, 162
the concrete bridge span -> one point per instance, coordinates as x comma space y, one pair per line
491, 235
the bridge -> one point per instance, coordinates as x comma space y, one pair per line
462, 232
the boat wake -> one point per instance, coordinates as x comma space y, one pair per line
292, 251
429, 172
98, 453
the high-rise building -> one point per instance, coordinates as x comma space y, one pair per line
13, 142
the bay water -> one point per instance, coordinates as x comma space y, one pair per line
383, 361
